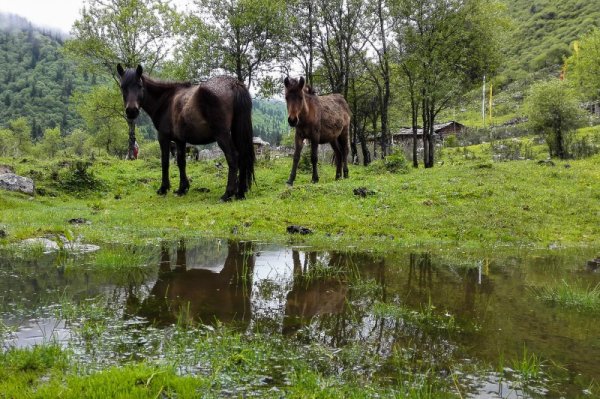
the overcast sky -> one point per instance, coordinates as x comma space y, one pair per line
57, 14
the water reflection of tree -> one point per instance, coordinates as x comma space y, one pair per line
185, 292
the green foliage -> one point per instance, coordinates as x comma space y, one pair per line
554, 112
36, 81
543, 31
102, 110
395, 162
586, 299
244, 36
79, 179
269, 120
52, 142
583, 67
128, 31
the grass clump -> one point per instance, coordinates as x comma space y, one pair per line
570, 296
427, 319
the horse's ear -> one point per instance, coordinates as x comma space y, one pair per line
139, 71
286, 81
120, 70
301, 83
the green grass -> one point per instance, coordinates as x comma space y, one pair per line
469, 201
428, 319
199, 363
567, 295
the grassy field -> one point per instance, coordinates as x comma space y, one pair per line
465, 201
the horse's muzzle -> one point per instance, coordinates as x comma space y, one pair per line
292, 121
132, 112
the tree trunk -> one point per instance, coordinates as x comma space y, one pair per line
131, 147
425, 132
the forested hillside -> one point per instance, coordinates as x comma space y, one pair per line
269, 120
543, 33
36, 82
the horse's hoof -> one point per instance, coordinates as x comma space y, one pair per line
162, 191
315, 181
240, 197
181, 192
225, 198
289, 183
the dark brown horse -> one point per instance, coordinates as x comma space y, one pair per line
320, 119
219, 109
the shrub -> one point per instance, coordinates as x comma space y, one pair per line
79, 179
396, 162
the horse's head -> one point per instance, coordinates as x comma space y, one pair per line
132, 88
294, 98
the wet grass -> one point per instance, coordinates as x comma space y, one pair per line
199, 363
585, 299
457, 203
428, 319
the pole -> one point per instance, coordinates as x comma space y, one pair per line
483, 102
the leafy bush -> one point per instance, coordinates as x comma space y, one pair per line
396, 163
451, 141
510, 150
79, 179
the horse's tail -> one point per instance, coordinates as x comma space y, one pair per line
242, 135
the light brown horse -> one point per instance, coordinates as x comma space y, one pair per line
219, 109
320, 119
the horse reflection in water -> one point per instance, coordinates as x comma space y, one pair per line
313, 295
188, 292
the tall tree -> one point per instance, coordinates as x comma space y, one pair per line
246, 35
302, 34
553, 111
131, 32
379, 64
339, 41
446, 48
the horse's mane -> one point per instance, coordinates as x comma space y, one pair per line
165, 84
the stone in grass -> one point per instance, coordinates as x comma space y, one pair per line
363, 192
12, 182
295, 229
79, 221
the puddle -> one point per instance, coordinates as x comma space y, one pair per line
437, 312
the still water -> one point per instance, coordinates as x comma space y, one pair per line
471, 316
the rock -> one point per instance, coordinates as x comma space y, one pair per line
6, 169
294, 229
547, 162
363, 192
49, 245
79, 221
593, 265
12, 182
3, 233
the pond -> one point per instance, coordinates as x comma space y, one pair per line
491, 325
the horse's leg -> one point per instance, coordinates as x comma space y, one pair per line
314, 159
226, 144
184, 184
165, 151
299, 143
335, 145
343, 142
